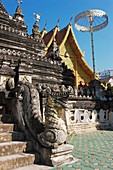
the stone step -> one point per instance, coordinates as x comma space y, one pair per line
8, 148
6, 127
11, 136
17, 160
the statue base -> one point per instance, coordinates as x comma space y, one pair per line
57, 157
63, 155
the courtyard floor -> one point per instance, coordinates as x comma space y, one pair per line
94, 149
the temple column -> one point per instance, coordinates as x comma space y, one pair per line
76, 74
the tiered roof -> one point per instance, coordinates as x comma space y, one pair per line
63, 35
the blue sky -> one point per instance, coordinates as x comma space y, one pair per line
51, 10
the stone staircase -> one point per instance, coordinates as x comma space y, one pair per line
13, 148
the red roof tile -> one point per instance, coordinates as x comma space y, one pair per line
48, 37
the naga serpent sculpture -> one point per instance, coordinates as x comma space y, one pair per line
50, 133
55, 132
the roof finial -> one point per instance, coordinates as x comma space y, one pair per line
58, 21
37, 17
35, 30
19, 2
45, 25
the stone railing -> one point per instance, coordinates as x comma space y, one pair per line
90, 105
89, 116
85, 114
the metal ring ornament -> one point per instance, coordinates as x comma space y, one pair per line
91, 13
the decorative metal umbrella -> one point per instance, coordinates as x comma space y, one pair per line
91, 21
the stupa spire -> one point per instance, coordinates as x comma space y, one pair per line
18, 13
36, 30
19, 17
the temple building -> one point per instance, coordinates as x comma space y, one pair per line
39, 104
70, 52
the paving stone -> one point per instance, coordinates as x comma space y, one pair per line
110, 160
111, 167
78, 166
96, 167
95, 150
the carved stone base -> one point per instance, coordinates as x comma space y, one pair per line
62, 155
56, 157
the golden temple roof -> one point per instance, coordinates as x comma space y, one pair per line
63, 35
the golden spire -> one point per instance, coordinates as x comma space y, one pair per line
18, 9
